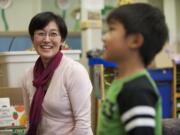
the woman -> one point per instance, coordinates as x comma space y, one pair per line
57, 89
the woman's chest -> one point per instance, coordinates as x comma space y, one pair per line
56, 101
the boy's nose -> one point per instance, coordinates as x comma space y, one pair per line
104, 37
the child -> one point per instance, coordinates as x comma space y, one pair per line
137, 32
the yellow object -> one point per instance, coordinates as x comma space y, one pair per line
31, 49
123, 2
18, 115
91, 24
23, 120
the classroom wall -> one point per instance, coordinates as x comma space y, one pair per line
69, 16
19, 14
178, 24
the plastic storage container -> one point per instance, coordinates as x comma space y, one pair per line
163, 78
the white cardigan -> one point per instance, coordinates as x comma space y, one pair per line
67, 103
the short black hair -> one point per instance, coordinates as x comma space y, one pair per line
42, 19
144, 19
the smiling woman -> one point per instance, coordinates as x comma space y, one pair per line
47, 42
57, 89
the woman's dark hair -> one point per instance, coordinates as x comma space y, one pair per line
144, 19
41, 20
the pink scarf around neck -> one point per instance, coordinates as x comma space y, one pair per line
42, 76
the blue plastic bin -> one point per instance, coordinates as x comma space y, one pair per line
165, 92
163, 78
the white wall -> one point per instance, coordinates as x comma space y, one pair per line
178, 23
19, 14
143, 1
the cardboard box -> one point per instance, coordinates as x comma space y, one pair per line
16, 109
14, 93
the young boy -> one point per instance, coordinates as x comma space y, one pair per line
137, 32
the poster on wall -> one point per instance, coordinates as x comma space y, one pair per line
93, 4
5, 4
62, 4
70, 10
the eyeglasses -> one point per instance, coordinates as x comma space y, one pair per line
51, 35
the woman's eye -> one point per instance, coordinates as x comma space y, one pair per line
53, 34
41, 34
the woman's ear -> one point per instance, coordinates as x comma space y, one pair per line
136, 40
62, 45
60, 48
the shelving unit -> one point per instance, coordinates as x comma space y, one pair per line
101, 73
176, 90
98, 87
163, 78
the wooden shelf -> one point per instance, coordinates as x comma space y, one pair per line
178, 95
13, 127
25, 33
14, 33
176, 88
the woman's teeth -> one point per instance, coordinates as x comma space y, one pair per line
46, 46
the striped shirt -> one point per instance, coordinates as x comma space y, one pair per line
132, 107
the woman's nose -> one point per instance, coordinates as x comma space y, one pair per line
47, 38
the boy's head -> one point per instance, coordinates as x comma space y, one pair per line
146, 21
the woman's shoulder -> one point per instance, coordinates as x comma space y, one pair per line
28, 71
71, 65
69, 62
27, 76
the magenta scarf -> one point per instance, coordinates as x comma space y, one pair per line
41, 77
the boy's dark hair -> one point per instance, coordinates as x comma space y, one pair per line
146, 20
41, 20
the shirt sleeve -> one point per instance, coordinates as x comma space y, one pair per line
25, 96
137, 109
79, 91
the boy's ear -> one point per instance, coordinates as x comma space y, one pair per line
136, 40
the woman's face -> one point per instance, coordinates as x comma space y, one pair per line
47, 41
